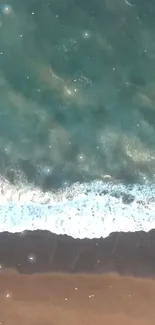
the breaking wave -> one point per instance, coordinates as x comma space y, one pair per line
89, 210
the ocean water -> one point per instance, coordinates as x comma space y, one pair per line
77, 116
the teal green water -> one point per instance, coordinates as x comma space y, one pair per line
77, 91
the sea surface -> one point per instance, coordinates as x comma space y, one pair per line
77, 116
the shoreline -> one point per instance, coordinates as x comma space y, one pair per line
50, 279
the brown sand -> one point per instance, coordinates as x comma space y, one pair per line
75, 299
31, 293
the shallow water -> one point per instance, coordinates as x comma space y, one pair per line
77, 104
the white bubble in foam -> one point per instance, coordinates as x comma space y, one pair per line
89, 210
22, 233
46, 170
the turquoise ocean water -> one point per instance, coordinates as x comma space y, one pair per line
77, 116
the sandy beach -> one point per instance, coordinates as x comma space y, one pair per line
75, 299
48, 279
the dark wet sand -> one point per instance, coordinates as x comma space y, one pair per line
42, 251
47, 279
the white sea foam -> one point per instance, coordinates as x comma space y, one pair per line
89, 210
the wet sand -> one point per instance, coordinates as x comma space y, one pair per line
49, 279
41, 251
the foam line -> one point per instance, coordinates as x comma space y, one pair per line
91, 210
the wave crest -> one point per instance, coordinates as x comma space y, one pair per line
89, 210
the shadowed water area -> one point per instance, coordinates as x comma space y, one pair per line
77, 91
